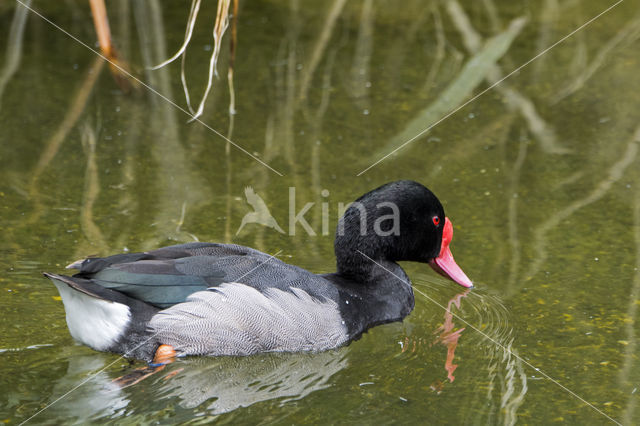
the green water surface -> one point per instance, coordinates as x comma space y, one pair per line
539, 176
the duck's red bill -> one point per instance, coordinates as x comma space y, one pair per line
447, 267
444, 263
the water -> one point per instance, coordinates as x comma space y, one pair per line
538, 175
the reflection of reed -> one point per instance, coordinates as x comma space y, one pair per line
492, 13
500, 132
233, 42
549, 14
128, 201
289, 103
507, 370
507, 385
53, 144
76, 108
616, 172
512, 208
92, 233
629, 374
229, 174
360, 70
318, 121
452, 98
14, 45
174, 183
515, 100
319, 47
232, 112
623, 38
439, 53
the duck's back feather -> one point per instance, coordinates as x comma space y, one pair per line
167, 276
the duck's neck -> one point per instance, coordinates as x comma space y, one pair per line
367, 266
373, 295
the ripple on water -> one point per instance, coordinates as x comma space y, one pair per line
487, 328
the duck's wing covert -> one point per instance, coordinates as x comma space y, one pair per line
167, 276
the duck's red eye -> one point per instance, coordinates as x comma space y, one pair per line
436, 220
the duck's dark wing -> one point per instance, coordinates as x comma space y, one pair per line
167, 276
97, 264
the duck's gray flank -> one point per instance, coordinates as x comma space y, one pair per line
236, 319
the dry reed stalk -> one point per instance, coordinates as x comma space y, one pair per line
182, 51
219, 28
221, 24
101, 24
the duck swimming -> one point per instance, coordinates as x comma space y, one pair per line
226, 299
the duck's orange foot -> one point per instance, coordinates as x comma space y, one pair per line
165, 354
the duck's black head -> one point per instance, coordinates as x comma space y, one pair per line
398, 221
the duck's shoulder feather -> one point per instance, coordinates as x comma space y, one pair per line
167, 276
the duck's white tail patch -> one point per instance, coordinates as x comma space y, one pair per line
95, 322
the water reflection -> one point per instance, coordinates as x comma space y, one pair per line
13, 54
628, 376
226, 383
98, 397
506, 381
209, 386
448, 337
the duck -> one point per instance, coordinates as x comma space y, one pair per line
214, 299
